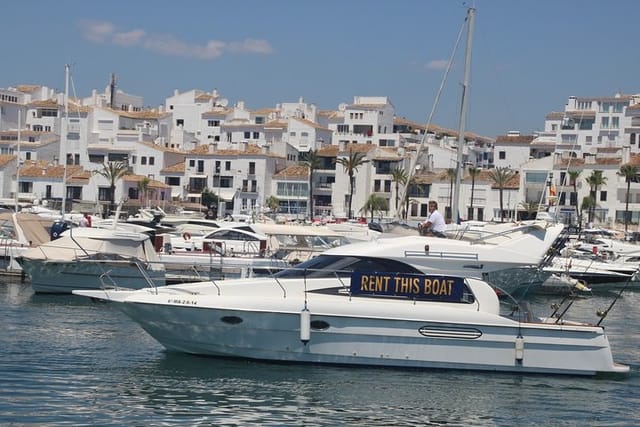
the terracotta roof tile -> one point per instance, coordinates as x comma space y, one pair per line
5, 159
137, 178
293, 171
328, 151
27, 88
42, 169
177, 168
512, 139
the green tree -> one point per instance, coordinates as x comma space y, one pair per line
208, 198
630, 174
573, 175
400, 177
113, 172
350, 164
531, 208
143, 189
374, 203
407, 200
311, 161
595, 181
473, 173
500, 177
588, 202
273, 203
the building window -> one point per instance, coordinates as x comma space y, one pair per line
25, 187
192, 163
603, 196
152, 160
133, 193
615, 122
104, 194
143, 160
252, 168
502, 155
179, 122
247, 135
172, 180
256, 135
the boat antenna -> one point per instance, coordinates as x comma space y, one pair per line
471, 13
603, 314
423, 139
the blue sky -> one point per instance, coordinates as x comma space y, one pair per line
528, 57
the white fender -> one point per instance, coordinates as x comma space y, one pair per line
305, 326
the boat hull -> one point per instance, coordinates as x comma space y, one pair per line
375, 341
61, 277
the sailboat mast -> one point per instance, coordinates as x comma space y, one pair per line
18, 159
455, 204
63, 141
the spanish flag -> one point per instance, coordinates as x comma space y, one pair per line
552, 190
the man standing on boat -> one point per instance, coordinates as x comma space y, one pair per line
434, 225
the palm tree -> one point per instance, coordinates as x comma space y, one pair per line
143, 188
113, 172
407, 201
595, 181
530, 208
630, 173
273, 203
399, 176
312, 162
473, 173
374, 203
573, 175
588, 202
451, 174
500, 177
350, 164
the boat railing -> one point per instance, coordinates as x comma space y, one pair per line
442, 254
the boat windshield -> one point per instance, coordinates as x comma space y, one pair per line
343, 266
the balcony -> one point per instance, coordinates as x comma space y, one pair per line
323, 187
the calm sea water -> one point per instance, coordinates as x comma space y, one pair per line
66, 360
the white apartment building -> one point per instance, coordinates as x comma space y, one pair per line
241, 179
589, 123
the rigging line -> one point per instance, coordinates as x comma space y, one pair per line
626, 285
423, 139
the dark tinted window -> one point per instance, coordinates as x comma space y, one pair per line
333, 265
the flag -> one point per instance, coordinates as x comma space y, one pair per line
552, 190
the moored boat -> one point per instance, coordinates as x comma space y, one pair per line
364, 316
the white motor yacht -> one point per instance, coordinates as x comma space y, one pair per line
92, 258
380, 303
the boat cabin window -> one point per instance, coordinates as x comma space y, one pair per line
343, 266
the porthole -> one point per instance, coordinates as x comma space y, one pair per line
232, 320
319, 325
